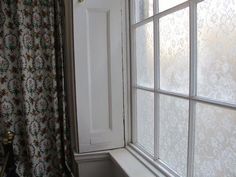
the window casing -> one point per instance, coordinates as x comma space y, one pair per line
183, 84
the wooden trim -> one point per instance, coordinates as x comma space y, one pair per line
126, 48
70, 74
92, 157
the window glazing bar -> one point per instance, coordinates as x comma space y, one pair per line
161, 14
141, 23
133, 80
156, 83
192, 98
214, 102
192, 86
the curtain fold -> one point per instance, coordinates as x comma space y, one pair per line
32, 94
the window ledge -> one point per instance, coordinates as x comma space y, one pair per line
158, 169
131, 162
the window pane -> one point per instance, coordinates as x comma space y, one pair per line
144, 55
166, 4
216, 50
215, 142
145, 120
143, 9
174, 52
174, 133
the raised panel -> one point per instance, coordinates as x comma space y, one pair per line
99, 70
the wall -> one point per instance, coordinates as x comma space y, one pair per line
98, 166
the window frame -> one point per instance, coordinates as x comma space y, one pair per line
193, 98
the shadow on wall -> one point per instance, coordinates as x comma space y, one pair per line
100, 168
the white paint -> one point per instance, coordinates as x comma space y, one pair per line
98, 164
131, 166
98, 63
99, 69
114, 163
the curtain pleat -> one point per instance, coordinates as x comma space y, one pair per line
32, 94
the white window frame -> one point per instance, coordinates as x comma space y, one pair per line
192, 98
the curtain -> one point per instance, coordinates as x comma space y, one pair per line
32, 94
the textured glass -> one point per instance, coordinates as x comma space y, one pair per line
166, 4
215, 142
143, 9
174, 133
145, 120
174, 52
144, 55
217, 50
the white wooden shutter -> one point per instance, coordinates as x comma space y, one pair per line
98, 60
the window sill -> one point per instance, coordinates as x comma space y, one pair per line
159, 169
133, 163
129, 164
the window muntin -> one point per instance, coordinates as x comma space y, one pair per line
202, 76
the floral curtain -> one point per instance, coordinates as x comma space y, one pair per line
32, 95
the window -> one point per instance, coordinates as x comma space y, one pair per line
184, 84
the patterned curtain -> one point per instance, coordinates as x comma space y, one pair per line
32, 95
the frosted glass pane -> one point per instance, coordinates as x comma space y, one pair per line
144, 55
166, 4
174, 52
174, 133
145, 120
215, 142
143, 9
216, 50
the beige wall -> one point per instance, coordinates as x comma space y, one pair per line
100, 168
96, 169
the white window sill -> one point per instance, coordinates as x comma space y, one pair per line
156, 168
131, 162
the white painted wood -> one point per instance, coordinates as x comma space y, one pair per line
156, 81
192, 87
98, 63
126, 70
70, 74
131, 166
157, 16
157, 167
